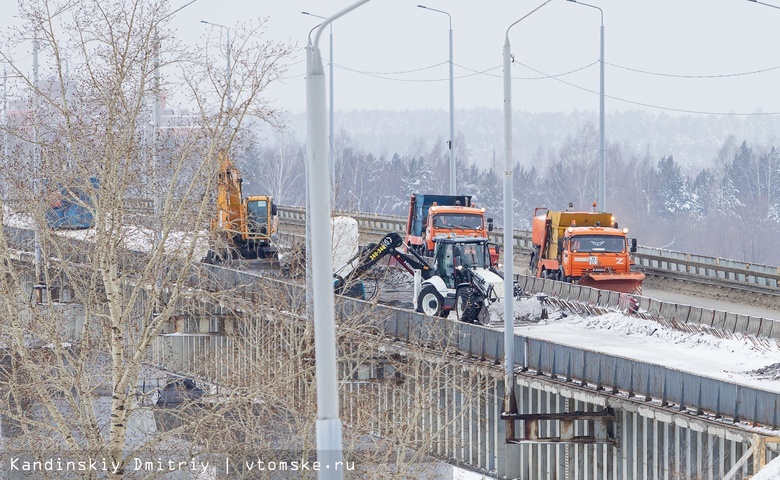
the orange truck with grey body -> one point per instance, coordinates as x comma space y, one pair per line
586, 248
449, 216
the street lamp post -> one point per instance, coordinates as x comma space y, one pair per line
39, 286
318, 215
5, 115
510, 402
453, 186
37, 181
331, 161
157, 200
227, 69
602, 198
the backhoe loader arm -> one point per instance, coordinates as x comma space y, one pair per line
371, 255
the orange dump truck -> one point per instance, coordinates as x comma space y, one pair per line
432, 216
586, 248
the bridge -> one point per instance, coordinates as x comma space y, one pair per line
436, 387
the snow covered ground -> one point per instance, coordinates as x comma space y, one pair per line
739, 359
135, 238
770, 472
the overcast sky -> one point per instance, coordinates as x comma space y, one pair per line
688, 56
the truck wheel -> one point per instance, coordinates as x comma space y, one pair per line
465, 306
562, 276
430, 302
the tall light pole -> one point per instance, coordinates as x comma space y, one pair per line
602, 198
156, 198
331, 160
39, 286
37, 181
510, 402
329, 446
5, 115
453, 186
227, 54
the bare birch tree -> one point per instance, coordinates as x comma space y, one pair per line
85, 119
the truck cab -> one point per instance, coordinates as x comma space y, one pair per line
453, 255
435, 216
261, 216
586, 248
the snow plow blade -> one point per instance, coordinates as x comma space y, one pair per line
617, 282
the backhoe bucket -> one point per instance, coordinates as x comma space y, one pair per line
617, 282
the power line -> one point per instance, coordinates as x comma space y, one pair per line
658, 107
672, 75
557, 77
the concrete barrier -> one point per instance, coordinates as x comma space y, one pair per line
593, 298
668, 310
730, 322
694, 315
754, 326
683, 313
654, 307
718, 319
741, 324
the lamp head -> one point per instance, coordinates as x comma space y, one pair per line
421, 6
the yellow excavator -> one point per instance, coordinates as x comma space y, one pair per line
242, 227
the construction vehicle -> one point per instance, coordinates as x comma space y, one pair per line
432, 216
586, 248
243, 227
462, 278
71, 206
346, 280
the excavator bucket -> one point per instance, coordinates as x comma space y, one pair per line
617, 282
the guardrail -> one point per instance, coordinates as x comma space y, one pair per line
764, 278
678, 316
686, 392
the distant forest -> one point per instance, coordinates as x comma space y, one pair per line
723, 200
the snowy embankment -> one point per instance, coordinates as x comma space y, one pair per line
770, 472
135, 238
741, 359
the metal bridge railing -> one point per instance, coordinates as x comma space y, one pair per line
672, 388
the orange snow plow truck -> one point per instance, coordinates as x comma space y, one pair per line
586, 248
432, 216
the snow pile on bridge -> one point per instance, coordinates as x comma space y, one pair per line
738, 359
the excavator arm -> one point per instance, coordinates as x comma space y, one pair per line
370, 255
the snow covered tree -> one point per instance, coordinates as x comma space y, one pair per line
673, 191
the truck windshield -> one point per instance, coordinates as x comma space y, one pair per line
458, 220
471, 256
257, 213
598, 243
258, 210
